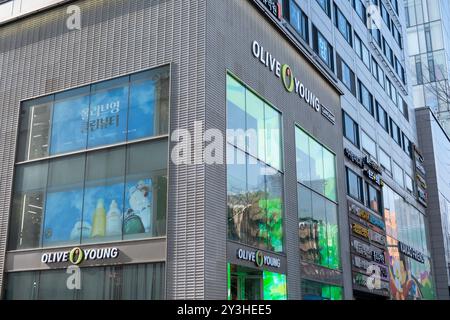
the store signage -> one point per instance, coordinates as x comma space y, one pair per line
411, 252
372, 172
369, 252
365, 265
422, 196
361, 280
377, 222
421, 185
273, 6
360, 230
362, 249
420, 167
78, 255
378, 256
258, 257
290, 82
354, 158
376, 178
377, 238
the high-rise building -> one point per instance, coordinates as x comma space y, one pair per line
428, 37
435, 144
118, 116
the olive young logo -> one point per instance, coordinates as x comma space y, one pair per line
259, 258
290, 82
77, 255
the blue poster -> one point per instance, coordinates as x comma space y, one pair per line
102, 211
68, 129
138, 207
141, 118
62, 212
107, 123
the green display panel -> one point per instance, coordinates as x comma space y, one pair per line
251, 284
274, 286
313, 290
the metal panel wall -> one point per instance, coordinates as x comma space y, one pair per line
232, 26
39, 55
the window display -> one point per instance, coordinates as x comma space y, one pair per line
254, 177
318, 227
312, 290
251, 284
118, 110
101, 196
130, 282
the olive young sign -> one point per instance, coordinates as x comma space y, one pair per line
77, 255
258, 257
290, 82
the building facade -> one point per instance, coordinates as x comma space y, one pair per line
428, 28
210, 150
436, 151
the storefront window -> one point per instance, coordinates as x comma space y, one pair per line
64, 199
312, 290
252, 284
28, 206
67, 109
100, 196
318, 228
104, 113
254, 177
95, 196
130, 282
410, 279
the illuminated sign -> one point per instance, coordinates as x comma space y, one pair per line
78, 255
289, 81
369, 252
365, 264
376, 237
354, 158
273, 6
372, 172
376, 178
411, 252
360, 230
258, 257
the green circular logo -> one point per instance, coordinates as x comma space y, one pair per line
288, 77
259, 258
76, 255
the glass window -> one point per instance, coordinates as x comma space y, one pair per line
28, 206
104, 113
103, 197
395, 133
254, 184
406, 145
368, 145
145, 206
409, 183
254, 124
107, 117
325, 5
351, 129
130, 282
315, 165
64, 201
251, 284
354, 185
365, 97
360, 10
34, 129
299, 20
373, 198
343, 25
345, 74
149, 104
382, 117
323, 48
398, 174
303, 159
70, 114
385, 161
312, 290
